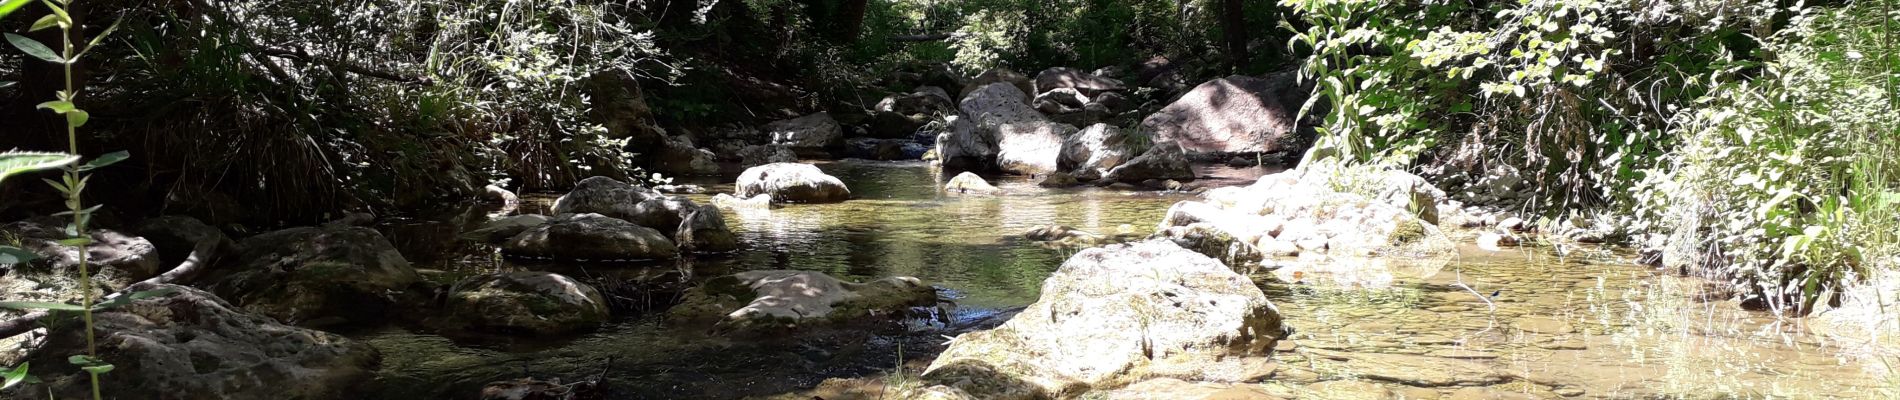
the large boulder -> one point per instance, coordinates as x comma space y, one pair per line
756, 155
926, 100
591, 237
662, 213
776, 299
1236, 114
1099, 148
703, 230
1165, 161
315, 276
524, 302
1069, 78
1024, 86
115, 259
190, 344
810, 135
791, 183
677, 156
1112, 314
604, 196
1061, 101
964, 147
1026, 142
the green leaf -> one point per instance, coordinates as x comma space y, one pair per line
7, 6
98, 369
83, 360
105, 160
40, 305
15, 255
7, 84
101, 36
57, 106
34, 48
16, 162
13, 377
77, 118
76, 242
47, 21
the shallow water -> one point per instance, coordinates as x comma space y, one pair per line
1556, 327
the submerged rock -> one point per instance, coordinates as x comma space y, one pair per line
773, 299
604, 196
1304, 216
190, 344
759, 202
525, 302
704, 231
970, 183
314, 276
537, 389
1059, 233
1148, 308
591, 237
791, 183
811, 135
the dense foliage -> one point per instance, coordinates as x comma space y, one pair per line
1754, 139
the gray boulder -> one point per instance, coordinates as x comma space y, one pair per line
791, 183
315, 276
1236, 114
1161, 162
964, 147
591, 237
810, 135
115, 259
525, 302
1112, 314
704, 230
1100, 147
1024, 86
756, 155
190, 344
1026, 142
604, 196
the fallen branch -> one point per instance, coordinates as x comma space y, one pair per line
300, 55
201, 255
929, 37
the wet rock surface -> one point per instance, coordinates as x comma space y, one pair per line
526, 302
315, 276
190, 343
591, 237
755, 301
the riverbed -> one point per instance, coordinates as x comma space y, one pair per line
1520, 323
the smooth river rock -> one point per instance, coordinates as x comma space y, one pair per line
591, 237
769, 300
791, 183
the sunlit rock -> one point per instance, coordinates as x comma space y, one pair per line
967, 182
314, 276
1069, 78
116, 259
1099, 147
791, 183
1236, 114
1023, 85
778, 299
591, 237
524, 302
604, 196
190, 344
1109, 312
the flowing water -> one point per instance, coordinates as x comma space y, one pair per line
1521, 323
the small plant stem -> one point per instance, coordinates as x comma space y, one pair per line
77, 206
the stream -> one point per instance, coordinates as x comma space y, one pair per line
1524, 322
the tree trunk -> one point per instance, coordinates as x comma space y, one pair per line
851, 20
1233, 27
